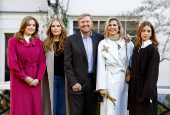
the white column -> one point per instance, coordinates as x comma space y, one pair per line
2, 57
52, 1
70, 26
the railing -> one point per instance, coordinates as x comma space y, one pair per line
6, 86
164, 91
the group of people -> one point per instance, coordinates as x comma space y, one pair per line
90, 61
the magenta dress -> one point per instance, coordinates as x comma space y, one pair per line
25, 60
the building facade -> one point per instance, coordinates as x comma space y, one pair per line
12, 12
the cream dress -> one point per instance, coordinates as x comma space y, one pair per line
111, 67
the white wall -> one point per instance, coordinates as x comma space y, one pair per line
23, 5
101, 7
164, 69
164, 74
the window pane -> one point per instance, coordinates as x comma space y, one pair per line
101, 27
132, 27
123, 25
95, 26
75, 27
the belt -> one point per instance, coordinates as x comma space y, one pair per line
115, 70
26, 64
137, 77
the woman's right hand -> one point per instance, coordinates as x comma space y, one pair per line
28, 79
103, 92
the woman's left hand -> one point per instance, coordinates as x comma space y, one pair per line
103, 92
34, 82
127, 38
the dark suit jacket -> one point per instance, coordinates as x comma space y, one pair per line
75, 60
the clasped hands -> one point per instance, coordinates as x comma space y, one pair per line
76, 87
31, 82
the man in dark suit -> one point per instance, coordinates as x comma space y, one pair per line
80, 57
80, 60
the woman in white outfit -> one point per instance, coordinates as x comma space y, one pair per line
111, 68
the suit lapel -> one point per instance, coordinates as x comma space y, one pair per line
113, 49
81, 44
95, 45
121, 43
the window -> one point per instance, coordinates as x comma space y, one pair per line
7, 71
130, 27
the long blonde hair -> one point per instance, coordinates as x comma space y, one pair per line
49, 41
121, 31
19, 35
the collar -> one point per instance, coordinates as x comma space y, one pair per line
146, 43
114, 38
85, 36
27, 37
31, 44
121, 41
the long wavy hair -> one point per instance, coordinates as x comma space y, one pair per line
121, 31
152, 38
19, 35
49, 43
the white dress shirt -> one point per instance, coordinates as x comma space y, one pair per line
88, 44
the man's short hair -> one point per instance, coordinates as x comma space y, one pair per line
83, 15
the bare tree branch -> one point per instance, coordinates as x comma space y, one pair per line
151, 9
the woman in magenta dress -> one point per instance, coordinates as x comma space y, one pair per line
27, 64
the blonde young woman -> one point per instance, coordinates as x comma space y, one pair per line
111, 67
54, 81
26, 61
